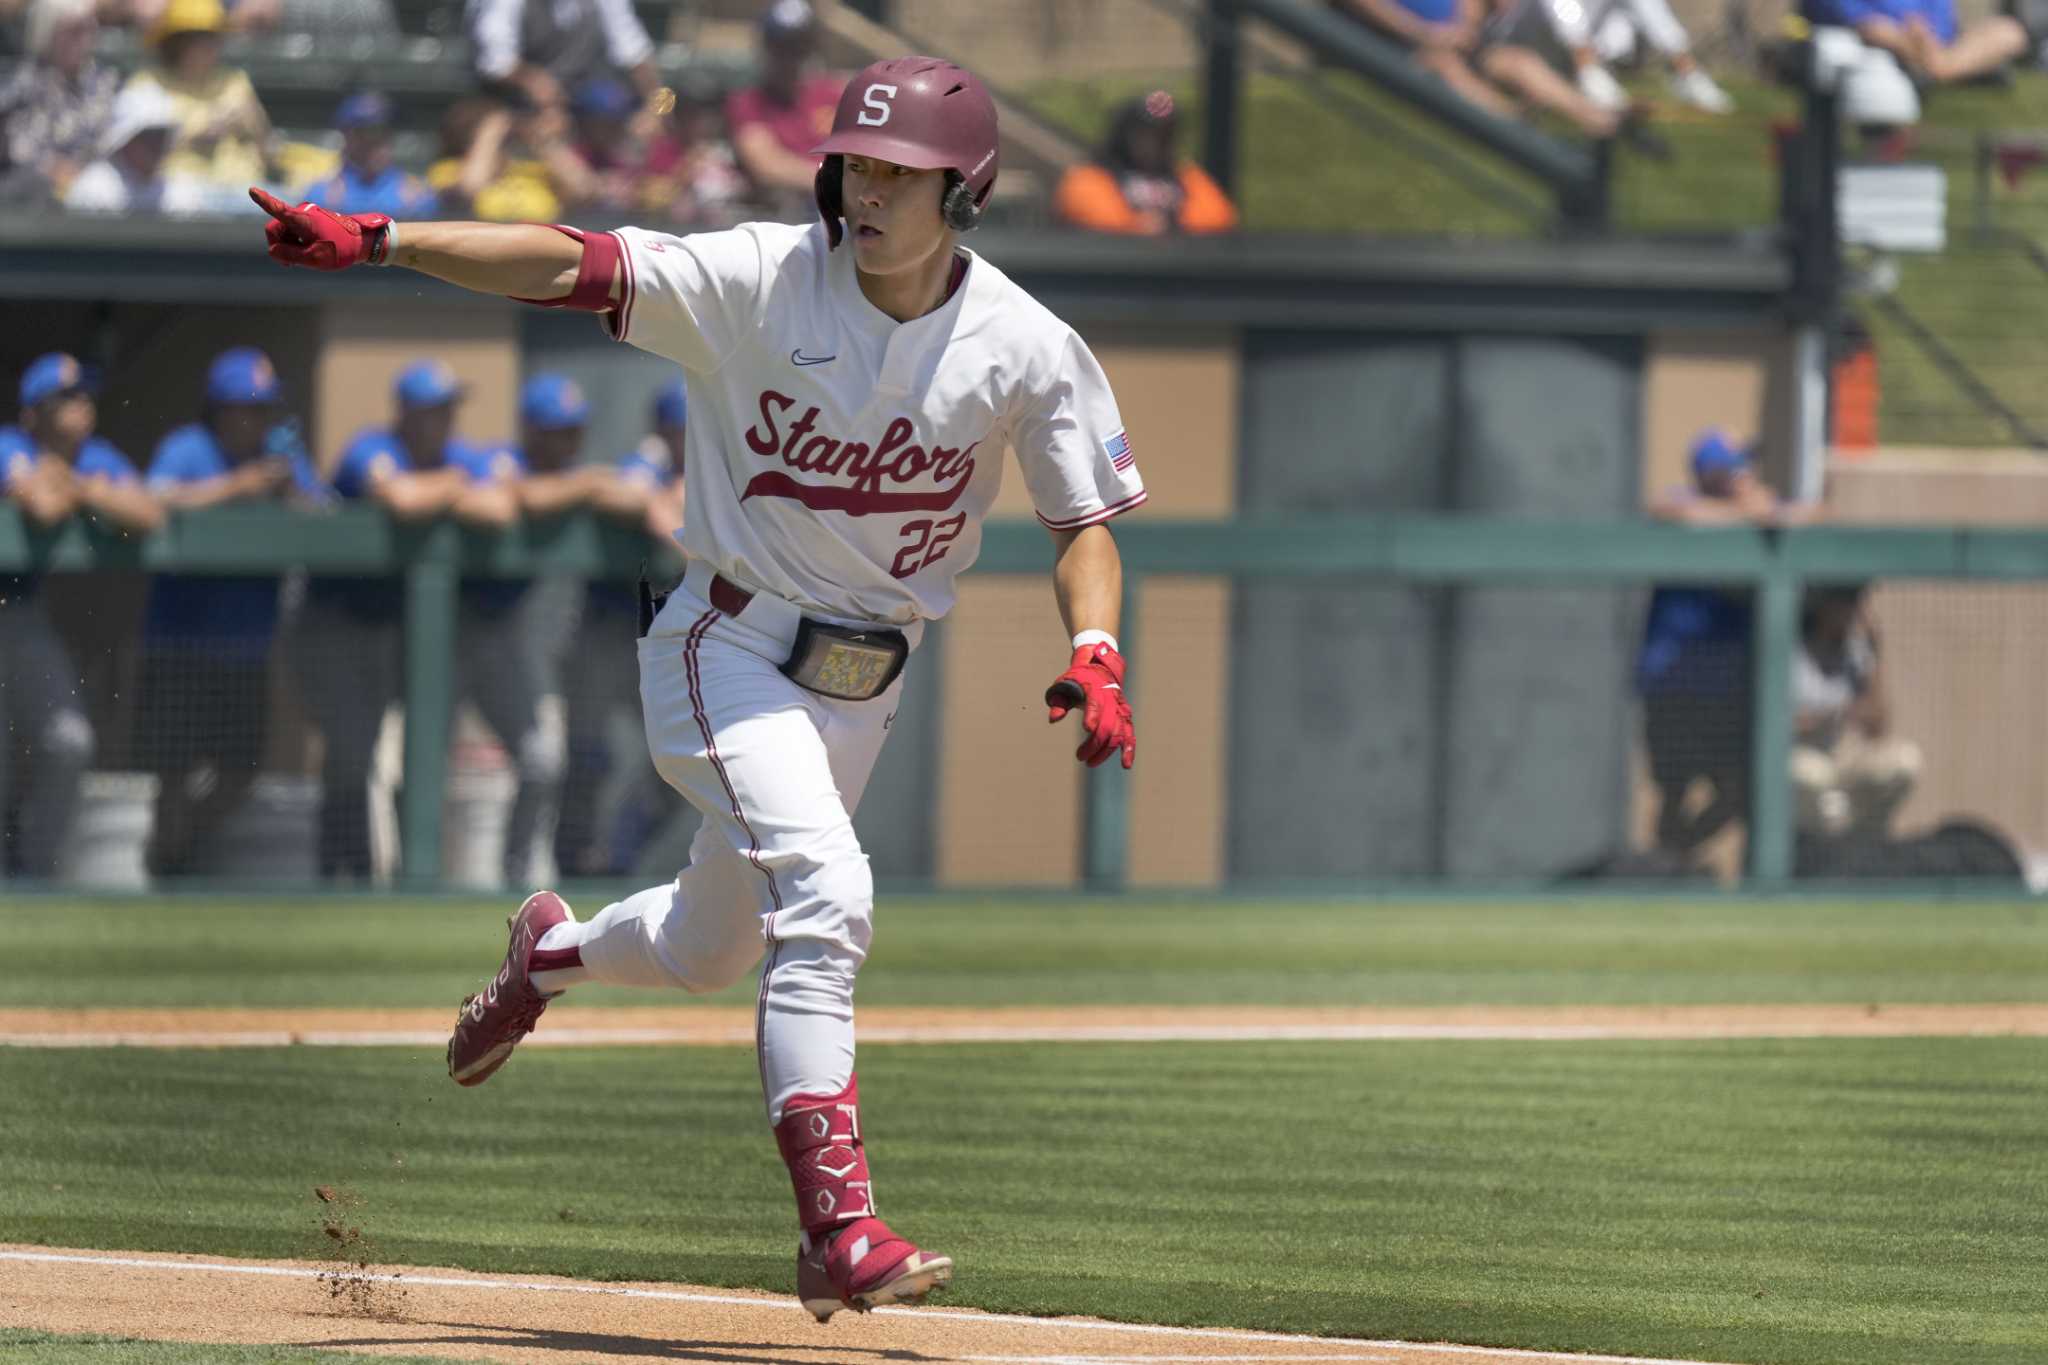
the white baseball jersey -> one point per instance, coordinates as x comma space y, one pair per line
843, 460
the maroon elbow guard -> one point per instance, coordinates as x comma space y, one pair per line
592, 292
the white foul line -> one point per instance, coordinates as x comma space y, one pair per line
939, 1314
1156, 1360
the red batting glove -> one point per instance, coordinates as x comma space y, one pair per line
319, 239
1094, 686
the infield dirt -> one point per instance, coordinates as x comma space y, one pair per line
724, 1026
540, 1320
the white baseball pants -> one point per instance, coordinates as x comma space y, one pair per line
776, 870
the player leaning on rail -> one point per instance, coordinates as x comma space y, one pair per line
850, 408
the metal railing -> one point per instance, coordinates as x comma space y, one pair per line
1577, 175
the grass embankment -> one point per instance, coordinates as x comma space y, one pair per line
1308, 165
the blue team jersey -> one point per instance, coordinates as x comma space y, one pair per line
1695, 643
394, 192
14, 448
378, 451
489, 465
647, 465
237, 614
371, 455
1939, 15
97, 459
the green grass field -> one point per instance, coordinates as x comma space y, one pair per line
45, 1348
1819, 1201
1059, 951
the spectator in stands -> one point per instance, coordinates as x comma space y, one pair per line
1694, 667
1849, 774
478, 176
775, 124
1727, 491
604, 164
223, 133
206, 641
130, 178
1598, 31
1693, 672
55, 109
516, 636
696, 178
1932, 45
532, 53
345, 649
369, 180
657, 462
1480, 57
52, 467
1139, 184
613, 798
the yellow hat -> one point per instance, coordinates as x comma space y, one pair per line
188, 16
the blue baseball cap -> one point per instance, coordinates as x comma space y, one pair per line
364, 109
242, 375
52, 374
1713, 453
427, 384
603, 98
671, 405
553, 402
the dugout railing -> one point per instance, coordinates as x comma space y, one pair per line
1773, 566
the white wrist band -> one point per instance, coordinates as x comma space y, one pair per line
1095, 637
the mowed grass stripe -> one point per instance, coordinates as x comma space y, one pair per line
1815, 1202
388, 952
52, 1348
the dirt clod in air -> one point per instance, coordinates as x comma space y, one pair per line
353, 1287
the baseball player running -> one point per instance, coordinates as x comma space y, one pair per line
852, 385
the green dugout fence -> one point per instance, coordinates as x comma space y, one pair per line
1774, 565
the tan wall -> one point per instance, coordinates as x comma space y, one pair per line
1010, 794
363, 349
1181, 697
1964, 663
1178, 396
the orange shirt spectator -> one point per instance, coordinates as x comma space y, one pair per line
1137, 185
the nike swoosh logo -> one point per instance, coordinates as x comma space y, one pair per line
798, 357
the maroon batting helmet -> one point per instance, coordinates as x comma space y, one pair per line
919, 112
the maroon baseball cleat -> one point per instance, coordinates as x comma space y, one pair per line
862, 1266
491, 1023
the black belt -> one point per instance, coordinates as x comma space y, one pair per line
846, 663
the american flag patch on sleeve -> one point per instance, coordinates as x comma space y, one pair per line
1120, 456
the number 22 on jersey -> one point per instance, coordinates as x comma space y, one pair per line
928, 542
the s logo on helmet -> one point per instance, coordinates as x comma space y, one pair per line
876, 108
